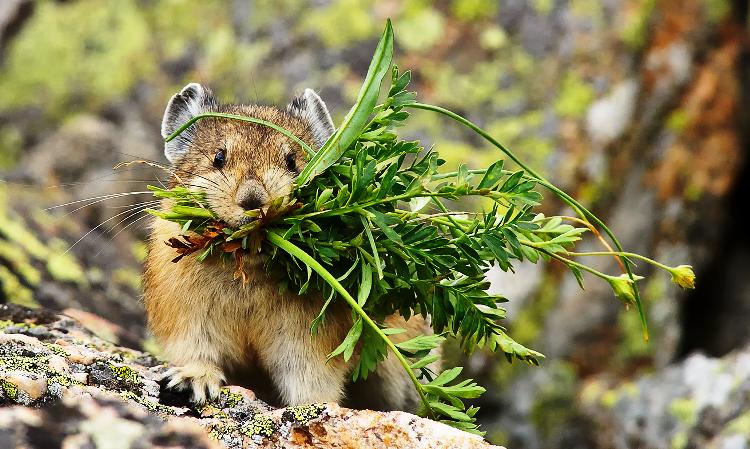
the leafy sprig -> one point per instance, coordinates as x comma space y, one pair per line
367, 223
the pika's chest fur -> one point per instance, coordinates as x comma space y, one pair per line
238, 322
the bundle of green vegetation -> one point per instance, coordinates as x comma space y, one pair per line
367, 223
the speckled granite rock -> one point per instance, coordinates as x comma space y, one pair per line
702, 402
61, 386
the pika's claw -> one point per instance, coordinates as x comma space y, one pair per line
204, 380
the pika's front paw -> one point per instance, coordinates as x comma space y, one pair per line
204, 379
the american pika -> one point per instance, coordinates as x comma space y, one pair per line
216, 329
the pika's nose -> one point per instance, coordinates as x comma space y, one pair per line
251, 195
250, 202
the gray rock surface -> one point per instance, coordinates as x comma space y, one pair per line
64, 387
702, 402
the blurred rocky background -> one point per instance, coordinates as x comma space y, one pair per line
639, 108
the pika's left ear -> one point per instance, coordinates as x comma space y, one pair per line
310, 107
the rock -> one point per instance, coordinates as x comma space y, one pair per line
96, 281
61, 386
702, 402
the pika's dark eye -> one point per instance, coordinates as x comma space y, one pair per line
220, 159
291, 162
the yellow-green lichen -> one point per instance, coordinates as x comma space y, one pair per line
302, 414
229, 399
634, 29
260, 425
739, 425
420, 28
679, 440
14, 290
685, 410
9, 390
125, 373
20, 263
128, 278
62, 266
57, 349
75, 44
574, 98
717, 9
472, 10
341, 22
150, 405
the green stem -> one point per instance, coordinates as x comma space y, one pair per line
297, 252
580, 210
621, 254
581, 266
278, 128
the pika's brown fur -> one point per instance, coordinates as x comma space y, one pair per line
214, 328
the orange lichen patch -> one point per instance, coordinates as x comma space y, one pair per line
707, 154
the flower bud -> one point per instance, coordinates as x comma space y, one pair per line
623, 287
683, 276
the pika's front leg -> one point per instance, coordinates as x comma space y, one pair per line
204, 380
297, 363
196, 362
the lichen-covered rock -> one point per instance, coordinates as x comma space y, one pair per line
61, 386
702, 402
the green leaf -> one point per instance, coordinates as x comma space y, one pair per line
492, 175
350, 341
424, 361
365, 285
421, 343
356, 119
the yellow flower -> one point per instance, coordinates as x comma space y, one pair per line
683, 276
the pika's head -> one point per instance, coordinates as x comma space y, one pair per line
240, 165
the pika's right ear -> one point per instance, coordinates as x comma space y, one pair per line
192, 100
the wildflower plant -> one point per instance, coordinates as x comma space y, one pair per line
367, 223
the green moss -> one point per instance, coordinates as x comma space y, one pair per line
20, 262
739, 425
574, 98
341, 22
62, 266
128, 278
677, 120
420, 28
472, 10
543, 7
679, 440
302, 414
99, 51
717, 9
14, 290
493, 38
260, 425
685, 410
10, 146
9, 390
634, 30
17, 233
139, 249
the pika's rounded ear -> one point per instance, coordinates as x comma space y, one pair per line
310, 107
192, 100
